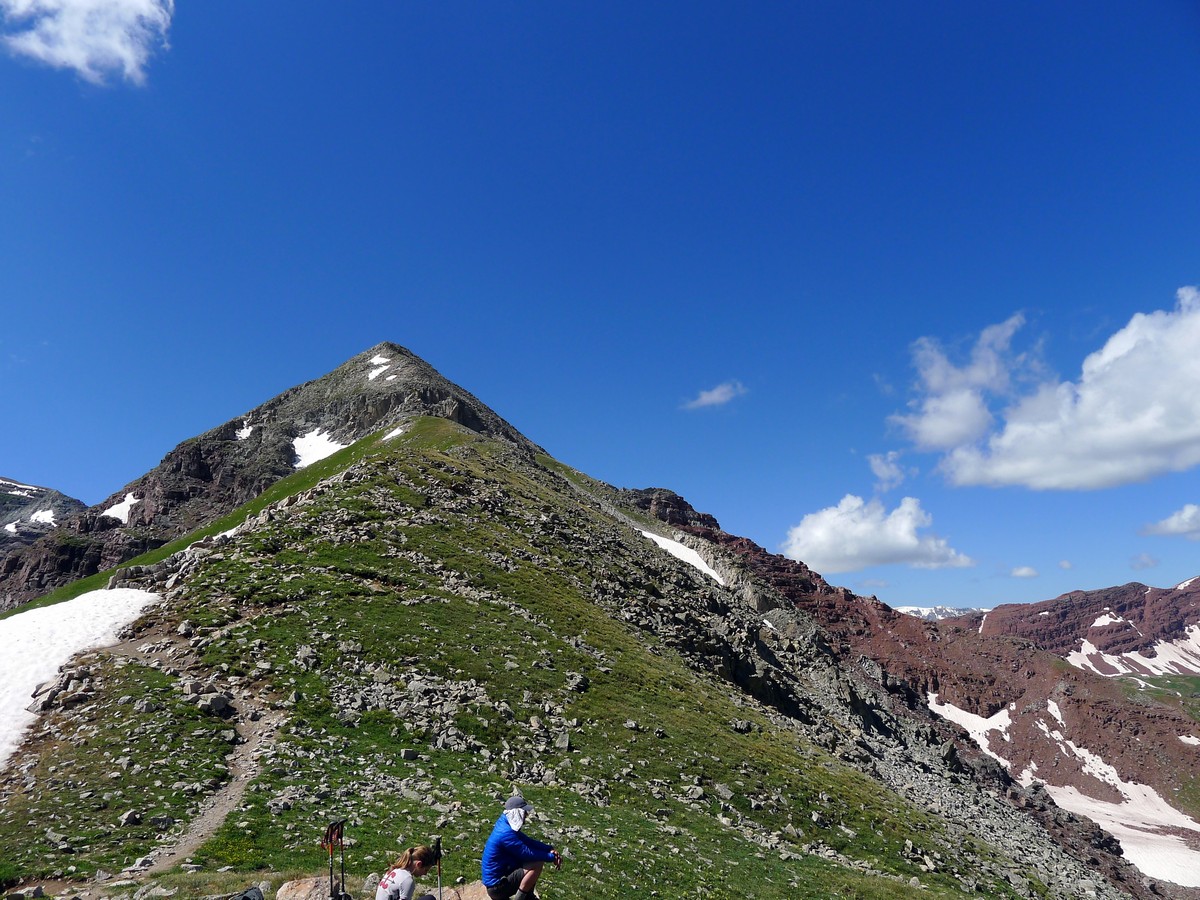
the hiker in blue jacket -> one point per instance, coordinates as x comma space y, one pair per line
513, 861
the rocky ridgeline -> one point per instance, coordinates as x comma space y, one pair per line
1131, 618
208, 476
774, 657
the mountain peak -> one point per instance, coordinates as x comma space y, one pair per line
207, 476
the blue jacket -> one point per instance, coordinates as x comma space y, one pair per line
506, 849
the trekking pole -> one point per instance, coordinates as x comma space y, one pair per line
342, 847
437, 853
334, 833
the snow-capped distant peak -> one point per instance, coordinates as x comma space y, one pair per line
937, 613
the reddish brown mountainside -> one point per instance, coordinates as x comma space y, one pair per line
1052, 717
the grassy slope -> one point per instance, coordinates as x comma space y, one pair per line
464, 587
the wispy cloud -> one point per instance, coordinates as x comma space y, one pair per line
1185, 522
953, 407
718, 396
857, 534
1065, 564
1024, 572
1133, 413
1143, 561
887, 469
95, 38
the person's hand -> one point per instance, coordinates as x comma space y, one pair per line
557, 859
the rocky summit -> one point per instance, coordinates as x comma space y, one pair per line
378, 602
208, 476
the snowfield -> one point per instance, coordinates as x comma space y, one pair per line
39, 641
1147, 826
314, 447
1181, 657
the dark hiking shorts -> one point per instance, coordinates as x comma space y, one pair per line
506, 886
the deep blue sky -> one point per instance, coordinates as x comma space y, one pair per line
590, 214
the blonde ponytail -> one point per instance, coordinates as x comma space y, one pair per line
420, 853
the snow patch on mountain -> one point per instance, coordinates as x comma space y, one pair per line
47, 638
1055, 711
1146, 825
1180, 657
1142, 822
245, 431
121, 510
687, 554
1184, 584
20, 490
381, 364
314, 447
977, 726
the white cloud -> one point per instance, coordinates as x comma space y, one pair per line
953, 410
1024, 572
96, 38
886, 467
1065, 564
718, 396
856, 534
1185, 521
1133, 413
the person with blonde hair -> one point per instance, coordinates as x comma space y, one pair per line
400, 880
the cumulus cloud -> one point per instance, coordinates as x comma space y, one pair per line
887, 469
1132, 414
718, 396
1024, 572
96, 38
953, 409
1185, 521
857, 534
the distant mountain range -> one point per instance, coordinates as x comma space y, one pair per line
937, 613
399, 608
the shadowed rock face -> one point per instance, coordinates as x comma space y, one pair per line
208, 476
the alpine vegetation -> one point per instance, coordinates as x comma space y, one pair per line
431, 616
